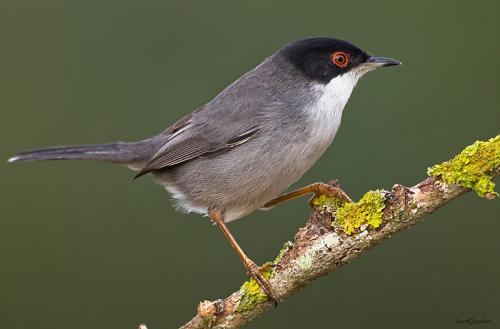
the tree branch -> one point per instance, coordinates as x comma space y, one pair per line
335, 234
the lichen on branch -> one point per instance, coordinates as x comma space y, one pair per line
365, 213
353, 217
252, 292
473, 167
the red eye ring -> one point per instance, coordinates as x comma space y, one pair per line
340, 58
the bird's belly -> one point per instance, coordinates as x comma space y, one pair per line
295, 161
289, 165
244, 179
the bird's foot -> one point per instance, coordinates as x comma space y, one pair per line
332, 189
255, 272
269, 265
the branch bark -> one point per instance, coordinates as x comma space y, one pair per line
320, 247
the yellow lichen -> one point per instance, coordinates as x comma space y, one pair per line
325, 201
252, 293
473, 167
350, 216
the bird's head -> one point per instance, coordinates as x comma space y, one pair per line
323, 59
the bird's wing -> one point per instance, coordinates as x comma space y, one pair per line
190, 138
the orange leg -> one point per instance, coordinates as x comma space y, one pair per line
316, 188
218, 217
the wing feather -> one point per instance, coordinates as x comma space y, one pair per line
191, 141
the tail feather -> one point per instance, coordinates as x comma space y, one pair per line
134, 155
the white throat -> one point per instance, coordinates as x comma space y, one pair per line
326, 111
335, 94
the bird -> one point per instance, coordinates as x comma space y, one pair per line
240, 151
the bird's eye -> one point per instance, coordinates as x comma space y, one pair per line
340, 58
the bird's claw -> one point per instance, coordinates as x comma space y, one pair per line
255, 272
331, 189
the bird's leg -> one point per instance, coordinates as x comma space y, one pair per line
331, 189
252, 268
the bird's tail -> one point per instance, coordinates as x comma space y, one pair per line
133, 155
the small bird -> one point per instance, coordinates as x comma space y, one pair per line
241, 150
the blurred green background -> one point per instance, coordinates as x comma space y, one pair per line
82, 247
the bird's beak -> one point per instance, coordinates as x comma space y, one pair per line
381, 61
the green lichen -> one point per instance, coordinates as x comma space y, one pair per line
252, 293
350, 216
305, 262
286, 246
209, 321
402, 214
473, 167
325, 201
